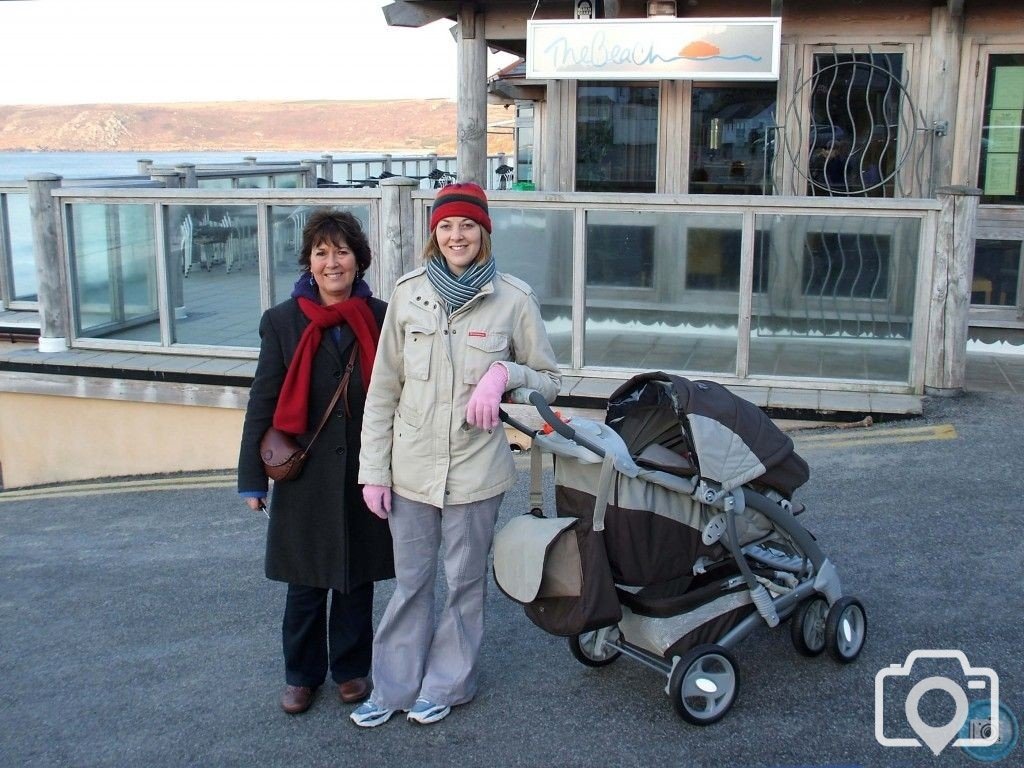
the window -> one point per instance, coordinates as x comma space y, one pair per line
732, 139
524, 141
1001, 172
853, 138
997, 272
620, 256
616, 137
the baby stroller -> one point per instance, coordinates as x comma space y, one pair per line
675, 538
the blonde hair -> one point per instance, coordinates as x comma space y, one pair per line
432, 250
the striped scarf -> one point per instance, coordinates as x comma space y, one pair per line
456, 291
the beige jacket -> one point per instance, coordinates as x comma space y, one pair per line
415, 437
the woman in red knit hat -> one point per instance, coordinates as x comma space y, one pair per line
458, 336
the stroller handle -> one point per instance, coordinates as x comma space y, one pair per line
537, 401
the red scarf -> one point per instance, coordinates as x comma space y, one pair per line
292, 411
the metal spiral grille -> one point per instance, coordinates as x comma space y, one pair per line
862, 130
850, 276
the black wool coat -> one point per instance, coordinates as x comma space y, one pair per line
320, 532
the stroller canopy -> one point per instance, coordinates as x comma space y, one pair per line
733, 440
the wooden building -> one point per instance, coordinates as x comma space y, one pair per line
882, 99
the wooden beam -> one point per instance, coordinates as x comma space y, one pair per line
506, 92
404, 13
956, 8
467, 21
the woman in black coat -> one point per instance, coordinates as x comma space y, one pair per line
321, 539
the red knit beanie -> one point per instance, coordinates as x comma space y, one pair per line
465, 200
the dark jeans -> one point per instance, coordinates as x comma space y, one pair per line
316, 638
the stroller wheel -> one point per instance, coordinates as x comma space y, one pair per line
846, 628
807, 627
704, 684
583, 648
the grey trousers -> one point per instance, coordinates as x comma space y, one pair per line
411, 658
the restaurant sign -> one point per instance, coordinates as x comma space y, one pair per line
654, 49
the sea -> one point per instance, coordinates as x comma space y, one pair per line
15, 166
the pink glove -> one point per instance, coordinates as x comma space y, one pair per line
378, 499
482, 410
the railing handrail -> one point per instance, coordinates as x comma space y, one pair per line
721, 203
216, 196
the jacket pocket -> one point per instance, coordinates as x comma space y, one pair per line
481, 351
418, 343
408, 419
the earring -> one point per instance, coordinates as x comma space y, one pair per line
359, 274
312, 280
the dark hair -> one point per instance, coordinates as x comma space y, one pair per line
327, 225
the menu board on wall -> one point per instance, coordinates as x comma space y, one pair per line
1002, 158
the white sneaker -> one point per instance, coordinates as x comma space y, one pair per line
370, 715
425, 712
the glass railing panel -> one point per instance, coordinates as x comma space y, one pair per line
254, 182
834, 297
23, 264
536, 246
218, 183
214, 274
113, 256
285, 181
286, 223
662, 290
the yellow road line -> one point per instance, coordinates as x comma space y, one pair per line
852, 438
120, 486
881, 437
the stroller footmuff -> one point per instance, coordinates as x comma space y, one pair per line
681, 540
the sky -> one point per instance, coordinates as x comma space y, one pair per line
152, 51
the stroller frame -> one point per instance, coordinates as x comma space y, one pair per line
802, 585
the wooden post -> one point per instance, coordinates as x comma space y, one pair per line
946, 350
50, 273
471, 121
310, 173
946, 44
397, 235
168, 177
188, 175
328, 161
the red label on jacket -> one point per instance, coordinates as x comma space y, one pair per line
481, 334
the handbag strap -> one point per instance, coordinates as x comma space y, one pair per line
341, 390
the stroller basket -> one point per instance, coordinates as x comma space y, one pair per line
684, 543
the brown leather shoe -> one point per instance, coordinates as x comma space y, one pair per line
296, 699
354, 690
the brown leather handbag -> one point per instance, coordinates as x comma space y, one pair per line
283, 457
